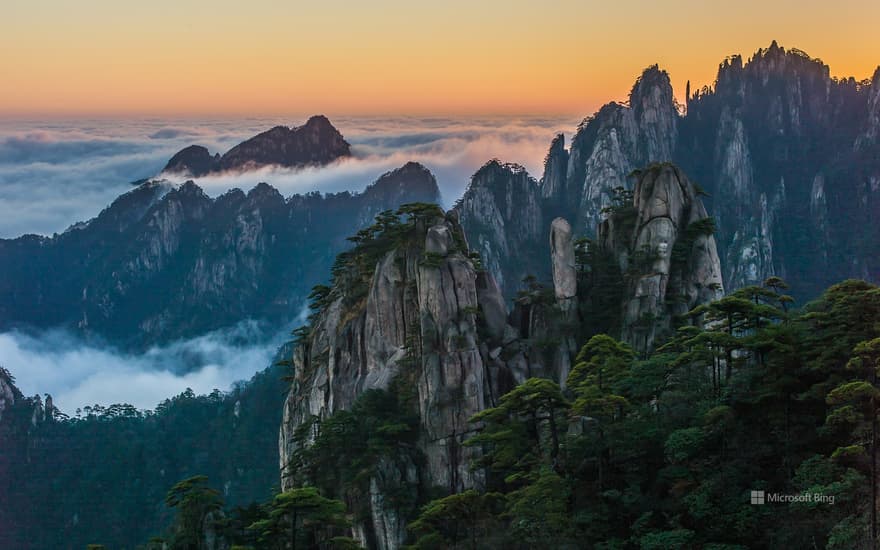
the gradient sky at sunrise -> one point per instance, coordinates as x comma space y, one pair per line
195, 57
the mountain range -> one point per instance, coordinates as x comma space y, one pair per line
165, 262
787, 156
661, 236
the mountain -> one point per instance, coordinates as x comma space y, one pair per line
504, 218
664, 247
165, 262
315, 143
412, 312
194, 160
786, 155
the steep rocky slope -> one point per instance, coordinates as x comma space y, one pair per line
665, 249
166, 262
417, 320
502, 214
315, 143
412, 310
787, 155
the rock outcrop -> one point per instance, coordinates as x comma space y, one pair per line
563, 261
419, 321
315, 143
9, 394
502, 215
166, 262
427, 318
665, 247
786, 154
194, 161
619, 138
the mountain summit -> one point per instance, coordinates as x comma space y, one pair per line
315, 143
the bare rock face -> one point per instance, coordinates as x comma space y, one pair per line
619, 138
418, 321
9, 394
668, 252
787, 154
562, 258
871, 133
501, 213
553, 183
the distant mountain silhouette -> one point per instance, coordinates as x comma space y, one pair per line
315, 143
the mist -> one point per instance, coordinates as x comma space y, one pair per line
77, 373
54, 174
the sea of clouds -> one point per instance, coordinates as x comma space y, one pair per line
56, 173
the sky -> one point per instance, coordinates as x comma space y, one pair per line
95, 94
226, 57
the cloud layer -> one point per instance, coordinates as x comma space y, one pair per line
53, 174
78, 374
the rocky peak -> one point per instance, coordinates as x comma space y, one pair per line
195, 161
871, 133
555, 171
411, 320
411, 178
502, 214
655, 114
187, 200
9, 394
319, 124
263, 192
665, 246
410, 183
315, 143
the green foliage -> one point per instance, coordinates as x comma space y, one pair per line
539, 511
656, 452
523, 431
683, 444
340, 454
600, 289
129, 458
353, 269
302, 518
685, 243
663, 452
621, 201
432, 259
196, 504
463, 520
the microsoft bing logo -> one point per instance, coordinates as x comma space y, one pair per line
757, 497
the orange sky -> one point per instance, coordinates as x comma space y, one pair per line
197, 57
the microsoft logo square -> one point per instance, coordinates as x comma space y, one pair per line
757, 497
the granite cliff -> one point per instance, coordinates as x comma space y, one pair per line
413, 309
786, 155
